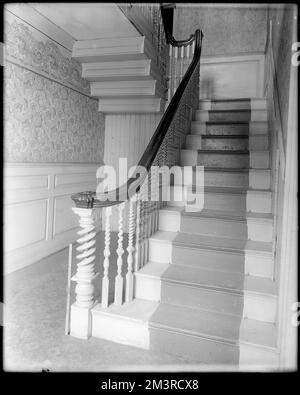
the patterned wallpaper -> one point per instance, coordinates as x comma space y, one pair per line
45, 121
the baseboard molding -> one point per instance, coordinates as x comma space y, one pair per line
38, 219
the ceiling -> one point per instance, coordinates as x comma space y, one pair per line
84, 21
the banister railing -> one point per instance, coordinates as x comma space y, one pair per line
140, 195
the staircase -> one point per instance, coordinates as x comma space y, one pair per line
123, 74
207, 291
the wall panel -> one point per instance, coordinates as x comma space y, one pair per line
38, 216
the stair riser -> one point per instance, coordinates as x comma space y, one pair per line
160, 251
253, 128
169, 221
120, 330
255, 359
252, 201
214, 227
194, 142
147, 287
249, 262
261, 308
255, 160
226, 179
259, 202
259, 159
120, 71
221, 201
223, 160
247, 104
260, 179
224, 116
126, 88
259, 230
201, 349
227, 129
252, 229
260, 142
224, 144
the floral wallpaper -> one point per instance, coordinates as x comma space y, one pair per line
45, 121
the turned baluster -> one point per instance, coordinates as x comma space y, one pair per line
170, 91
130, 249
181, 63
138, 239
176, 74
85, 267
80, 325
105, 280
120, 252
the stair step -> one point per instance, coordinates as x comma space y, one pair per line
217, 142
223, 115
215, 158
202, 336
222, 291
217, 223
253, 178
121, 70
121, 105
222, 253
219, 253
213, 338
127, 89
221, 198
232, 128
113, 49
237, 115
233, 104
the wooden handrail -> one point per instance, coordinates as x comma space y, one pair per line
90, 199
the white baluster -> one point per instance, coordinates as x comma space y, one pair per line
138, 247
105, 280
170, 91
120, 251
176, 75
181, 63
85, 274
130, 249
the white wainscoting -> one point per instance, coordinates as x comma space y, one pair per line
236, 76
38, 219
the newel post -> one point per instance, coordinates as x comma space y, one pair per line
85, 274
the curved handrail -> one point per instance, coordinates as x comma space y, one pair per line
181, 43
89, 199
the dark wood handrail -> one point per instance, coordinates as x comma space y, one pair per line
89, 199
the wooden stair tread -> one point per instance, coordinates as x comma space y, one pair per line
221, 243
217, 326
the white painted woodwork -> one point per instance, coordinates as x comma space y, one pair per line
259, 201
86, 249
130, 249
239, 76
126, 324
120, 251
121, 105
113, 49
106, 252
260, 179
128, 88
122, 70
259, 159
80, 320
38, 216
